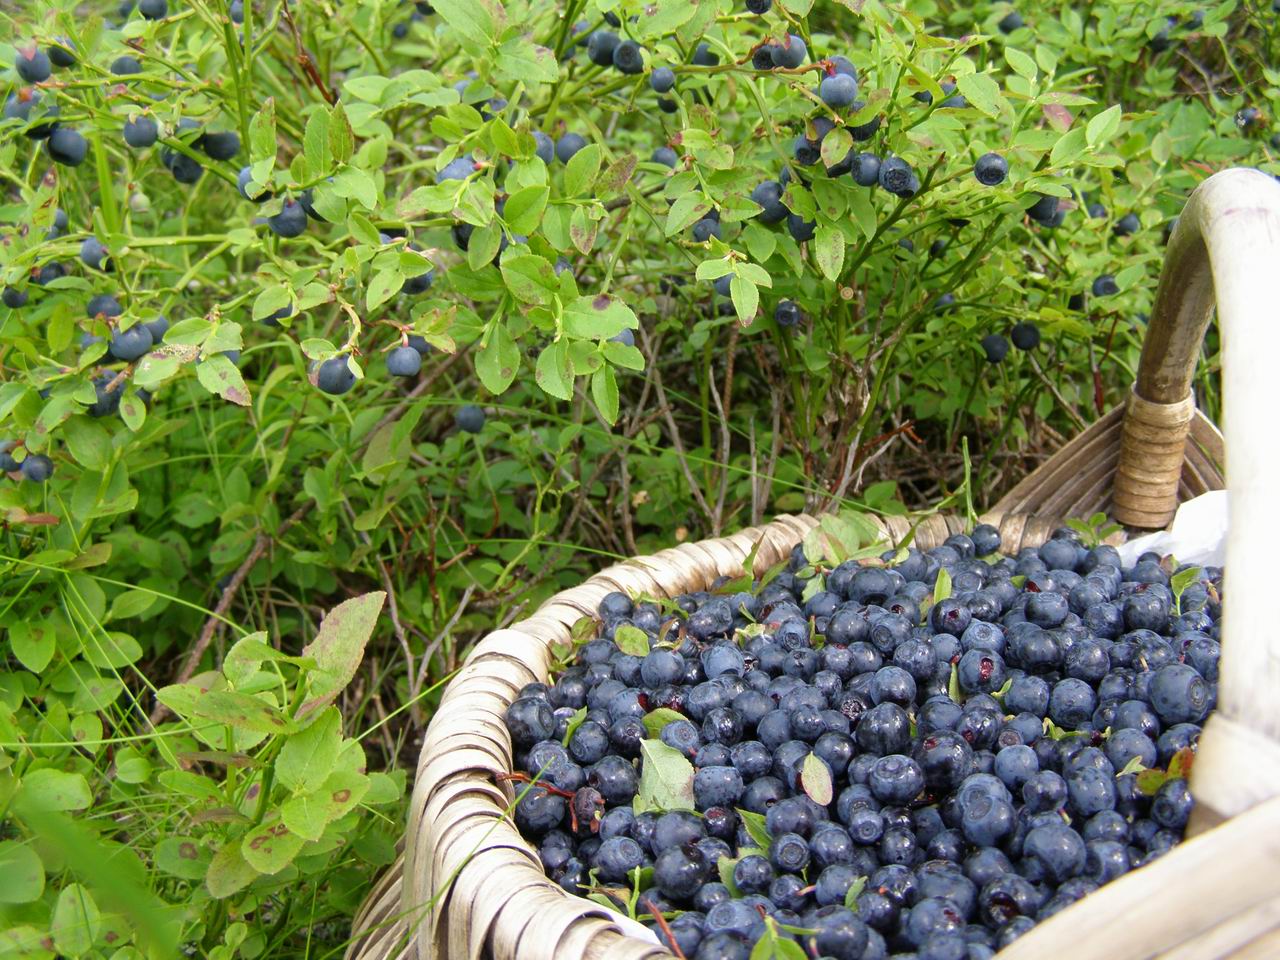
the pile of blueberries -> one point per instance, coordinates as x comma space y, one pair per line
989, 755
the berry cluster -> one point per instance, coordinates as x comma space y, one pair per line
924, 757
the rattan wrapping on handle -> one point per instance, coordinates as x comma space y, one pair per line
470, 886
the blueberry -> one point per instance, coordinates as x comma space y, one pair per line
662, 80
544, 146
788, 314
291, 221
801, 229
1025, 335
896, 779
995, 347
1057, 850
13, 298
125, 66
838, 90
991, 169
61, 52
568, 145
762, 58
67, 147
220, 145
600, 47
37, 468
539, 811
1127, 225
703, 231
897, 177
791, 53
141, 132
1010, 22
759, 6
1179, 694
153, 9
129, 345
704, 56
243, 179
103, 306
1172, 803
866, 169
628, 59
616, 858
459, 168
32, 64
469, 418
1105, 286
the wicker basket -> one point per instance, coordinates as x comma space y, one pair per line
469, 885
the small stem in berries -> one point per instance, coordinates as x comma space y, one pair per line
666, 932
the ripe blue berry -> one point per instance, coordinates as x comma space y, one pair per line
662, 80
838, 90
991, 169
791, 53
404, 362
335, 378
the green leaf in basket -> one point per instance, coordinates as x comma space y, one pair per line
1179, 582
1149, 781
854, 891
1134, 765
655, 720
666, 779
815, 778
631, 640
574, 723
942, 588
755, 824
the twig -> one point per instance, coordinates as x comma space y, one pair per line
304, 58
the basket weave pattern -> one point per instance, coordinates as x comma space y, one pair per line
470, 886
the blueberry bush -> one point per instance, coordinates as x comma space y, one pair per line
453, 300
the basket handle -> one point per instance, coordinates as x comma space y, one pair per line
1225, 248
1225, 245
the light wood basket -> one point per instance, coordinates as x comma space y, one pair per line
469, 886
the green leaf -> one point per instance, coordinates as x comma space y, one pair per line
520, 60
469, 19
724, 867
270, 847
836, 146
341, 139
1104, 126
1022, 64
746, 299
1180, 763
582, 169
982, 92
553, 371
604, 391
655, 720
221, 377
815, 778
598, 318
953, 685
52, 789
21, 873
307, 757
942, 587
756, 828
529, 277
262, 132
339, 647
686, 211
355, 184
182, 857
1069, 148
523, 209
32, 643
666, 779
384, 285
1135, 765
855, 890
631, 640
76, 921
229, 872
574, 723
315, 143
308, 814
828, 250
498, 361
240, 711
